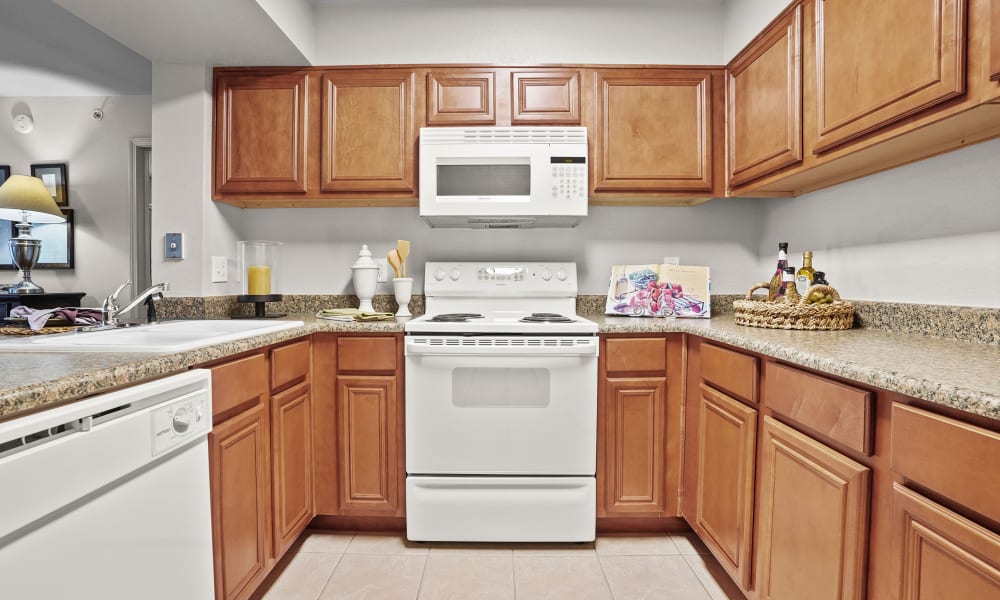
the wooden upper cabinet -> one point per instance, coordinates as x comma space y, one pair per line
725, 442
461, 98
812, 519
879, 62
369, 135
995, 41
764, 83
261, 125
937, 553
545, 97
652, 131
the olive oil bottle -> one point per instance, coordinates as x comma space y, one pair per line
804, 278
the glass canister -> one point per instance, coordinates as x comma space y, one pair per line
257, 264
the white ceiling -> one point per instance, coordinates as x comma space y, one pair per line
215, 32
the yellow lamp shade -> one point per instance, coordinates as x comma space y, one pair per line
24, 198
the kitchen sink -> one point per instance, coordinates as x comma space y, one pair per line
167, 336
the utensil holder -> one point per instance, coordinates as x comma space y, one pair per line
402, 287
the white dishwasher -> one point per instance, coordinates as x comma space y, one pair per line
108, 498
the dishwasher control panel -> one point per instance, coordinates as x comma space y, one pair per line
183, 419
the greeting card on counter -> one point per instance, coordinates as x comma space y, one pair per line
659, 291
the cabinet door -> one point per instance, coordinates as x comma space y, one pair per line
995, 41
634, 415
545, 97
812, 519
461, 98
653, 131
369, 139
292, 457
878, 62
368, 415
939, 554
765, 102
239, 451
260, 132
725, 436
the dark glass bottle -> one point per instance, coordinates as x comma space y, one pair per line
775, 284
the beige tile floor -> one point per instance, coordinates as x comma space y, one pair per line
342, 565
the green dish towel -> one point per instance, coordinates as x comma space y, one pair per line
352, 314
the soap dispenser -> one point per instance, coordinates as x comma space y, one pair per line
365, 275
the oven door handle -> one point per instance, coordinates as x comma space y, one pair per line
493, 347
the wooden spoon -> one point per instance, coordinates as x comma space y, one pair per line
403, 249
393, 257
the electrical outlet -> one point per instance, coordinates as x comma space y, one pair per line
173, 246
220, 271
383, 270
671, 260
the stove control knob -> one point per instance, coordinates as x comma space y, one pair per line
561, 274
439, 274
546, 274
455, 274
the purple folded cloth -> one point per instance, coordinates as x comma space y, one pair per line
38, 316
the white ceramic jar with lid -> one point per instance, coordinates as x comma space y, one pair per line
364, 276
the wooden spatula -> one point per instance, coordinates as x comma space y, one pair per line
403, 249
393, 257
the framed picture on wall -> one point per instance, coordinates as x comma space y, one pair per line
57, 244
4, 173
53, 175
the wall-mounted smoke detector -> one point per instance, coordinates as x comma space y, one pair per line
97, 114
23, 123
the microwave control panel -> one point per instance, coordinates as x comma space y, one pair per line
569, 177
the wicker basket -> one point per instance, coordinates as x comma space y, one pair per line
758, 312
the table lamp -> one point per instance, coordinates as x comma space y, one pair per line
26, 200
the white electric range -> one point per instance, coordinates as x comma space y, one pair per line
501, 406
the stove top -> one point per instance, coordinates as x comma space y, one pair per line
499, 298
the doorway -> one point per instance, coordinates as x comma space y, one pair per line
141, 185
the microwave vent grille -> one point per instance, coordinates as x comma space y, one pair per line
503, 135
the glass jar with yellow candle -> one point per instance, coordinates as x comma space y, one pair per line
257, 267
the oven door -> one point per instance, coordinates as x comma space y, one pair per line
501, 405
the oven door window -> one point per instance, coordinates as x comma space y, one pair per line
485, 388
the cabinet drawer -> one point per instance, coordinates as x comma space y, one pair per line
238, 383
731, 372
636, 354
840, 412
366, 354
948, 456
290, 364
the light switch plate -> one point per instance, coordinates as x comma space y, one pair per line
173, 246
220, 272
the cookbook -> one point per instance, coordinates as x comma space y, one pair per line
659, 291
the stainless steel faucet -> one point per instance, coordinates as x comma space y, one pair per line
111, 310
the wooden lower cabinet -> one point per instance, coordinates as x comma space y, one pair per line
239, 459
938, 554
725, 440
369, 455
634, 415
291, 433
812, 519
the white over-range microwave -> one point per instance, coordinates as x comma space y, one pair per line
503, 177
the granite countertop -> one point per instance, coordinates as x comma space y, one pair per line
953, 373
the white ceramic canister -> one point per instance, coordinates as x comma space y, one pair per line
364, 274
